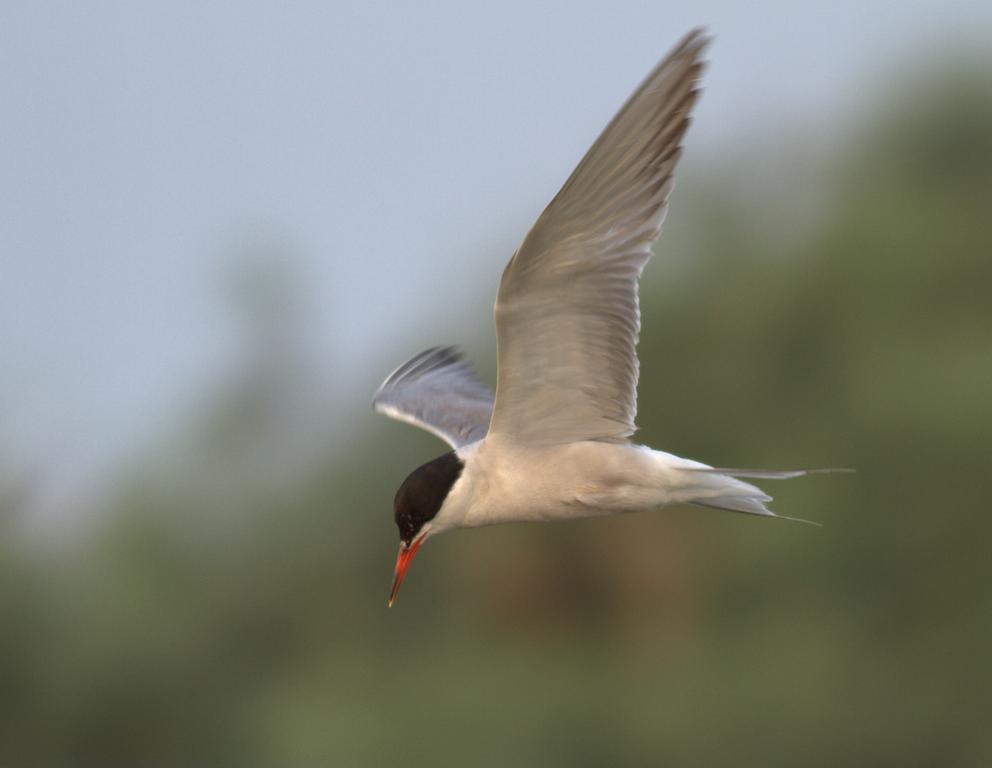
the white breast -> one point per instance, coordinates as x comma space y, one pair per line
504, 483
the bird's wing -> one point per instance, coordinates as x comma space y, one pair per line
438, 391
567, 316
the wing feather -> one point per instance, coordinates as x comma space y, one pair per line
437, 390
567, 315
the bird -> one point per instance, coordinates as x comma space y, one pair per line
553, 442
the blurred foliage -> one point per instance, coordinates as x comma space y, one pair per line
219, 613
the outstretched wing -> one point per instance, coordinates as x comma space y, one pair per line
438, 391
567, 316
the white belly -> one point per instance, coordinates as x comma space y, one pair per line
565, 482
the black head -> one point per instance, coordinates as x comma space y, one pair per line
423, 492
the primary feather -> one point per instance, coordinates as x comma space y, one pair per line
438, 391
567, 316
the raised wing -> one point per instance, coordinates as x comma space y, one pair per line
438, 391
567, 316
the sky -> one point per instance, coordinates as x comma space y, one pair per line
395, 152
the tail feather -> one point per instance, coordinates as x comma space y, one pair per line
749, 506
719, 488
766, 474
746, 504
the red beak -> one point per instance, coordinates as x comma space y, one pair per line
403, 560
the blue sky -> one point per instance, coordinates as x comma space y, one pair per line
401, 150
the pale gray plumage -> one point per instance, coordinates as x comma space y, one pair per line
769, 474
438, 391
567, 316
567, 322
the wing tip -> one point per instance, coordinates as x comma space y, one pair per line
698, 38
423, 362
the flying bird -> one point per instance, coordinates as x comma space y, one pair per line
553, 442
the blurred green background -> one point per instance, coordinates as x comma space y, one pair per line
224, 601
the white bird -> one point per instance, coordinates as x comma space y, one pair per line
553, 443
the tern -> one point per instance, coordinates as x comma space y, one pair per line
553, 442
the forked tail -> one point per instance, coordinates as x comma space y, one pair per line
720, 489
